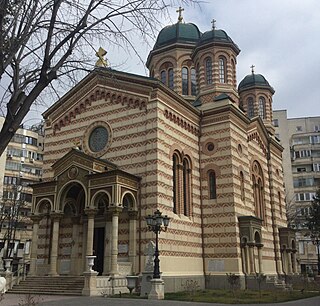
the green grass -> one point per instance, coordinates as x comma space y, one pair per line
241, 296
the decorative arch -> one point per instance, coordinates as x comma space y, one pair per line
129, 201
64, 191
44, 204
101, 201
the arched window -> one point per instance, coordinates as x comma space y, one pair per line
234, 73
164, 77
181, 184
212, 185
186, 187
262, 107
170, 78
185, 81
193, 82
208, 62
242, 186
175, 182
250, 107
222, 70
280, 203
258, 189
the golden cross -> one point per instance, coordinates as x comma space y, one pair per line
101, 62
252, 68
213, 24
180, 10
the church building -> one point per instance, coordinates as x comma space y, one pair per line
186, 140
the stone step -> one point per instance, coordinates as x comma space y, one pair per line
65, 285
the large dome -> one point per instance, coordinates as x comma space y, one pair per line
178, 33
217, 36
254, 80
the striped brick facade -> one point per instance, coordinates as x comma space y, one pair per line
148, 124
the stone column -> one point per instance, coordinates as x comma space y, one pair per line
284, 261
294, 261
114, 242
34, 247
251, 258
107, 244
247, 258
243, 259
133, 215
289, 261
259, 246
55, 217
90, 212
75, 246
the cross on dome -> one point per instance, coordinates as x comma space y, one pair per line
213, 24
180, 10
252, 68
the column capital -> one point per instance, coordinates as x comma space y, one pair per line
115, 210
133, 215
90, 212
36, 218
56, 215
259, 245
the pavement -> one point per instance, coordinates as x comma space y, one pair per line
51, 300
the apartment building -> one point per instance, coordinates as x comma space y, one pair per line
300, 138
20, 166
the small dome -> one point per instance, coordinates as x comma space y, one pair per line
178, 33
254, 80
217, 36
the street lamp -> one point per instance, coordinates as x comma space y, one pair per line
157, 223
315, 238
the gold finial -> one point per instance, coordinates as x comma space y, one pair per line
101, 62
252, 68
180, 10
213, 24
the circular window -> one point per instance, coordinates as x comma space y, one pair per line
98, 139
210, 146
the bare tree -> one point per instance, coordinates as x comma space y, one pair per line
11, 219
44, 40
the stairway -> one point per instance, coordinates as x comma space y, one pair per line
58, 285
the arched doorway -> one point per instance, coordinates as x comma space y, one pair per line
101, 203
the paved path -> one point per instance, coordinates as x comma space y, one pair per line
46, 300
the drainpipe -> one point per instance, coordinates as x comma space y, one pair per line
201, 201
139, 218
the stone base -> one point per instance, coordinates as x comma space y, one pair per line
157, 289
146, 283
90, 283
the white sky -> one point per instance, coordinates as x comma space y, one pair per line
280, 37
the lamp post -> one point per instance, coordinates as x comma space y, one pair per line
315, 238
157, 223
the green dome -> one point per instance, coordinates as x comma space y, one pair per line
178, 33
254, 80
216, 36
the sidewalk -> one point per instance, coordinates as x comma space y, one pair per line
46, 300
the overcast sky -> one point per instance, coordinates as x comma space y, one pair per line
280, 37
